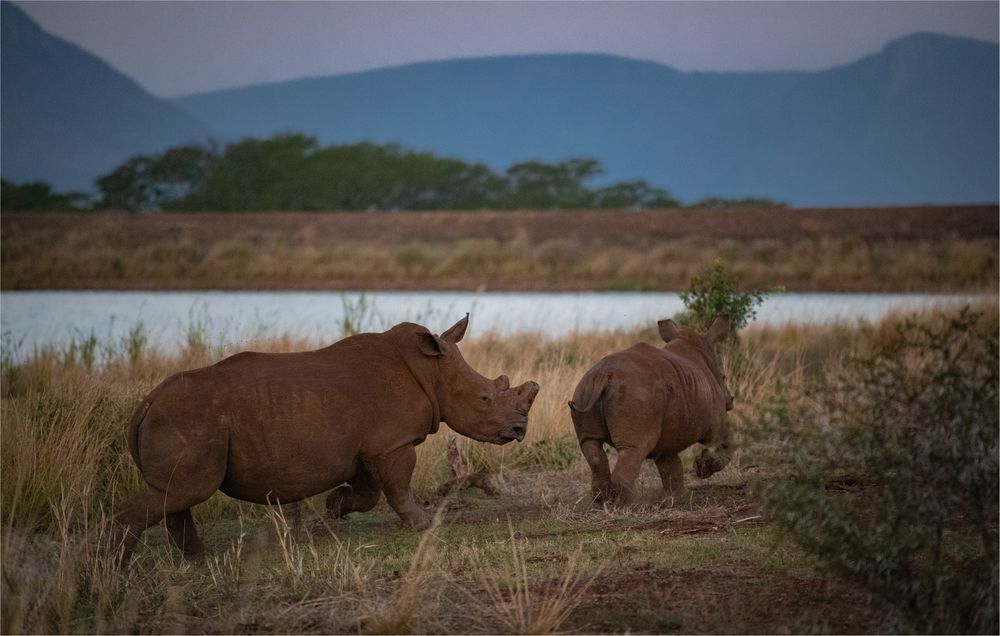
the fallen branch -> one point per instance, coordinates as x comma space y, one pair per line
462, 477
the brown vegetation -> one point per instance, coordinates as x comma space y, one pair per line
867, 249
536, 558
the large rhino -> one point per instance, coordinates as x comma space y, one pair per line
279, 427
652, 403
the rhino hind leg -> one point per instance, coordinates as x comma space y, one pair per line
597, 459
359, 494
147, 509
184, 535
626, 471
672, 475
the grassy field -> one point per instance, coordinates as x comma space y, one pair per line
874, 249
534, 559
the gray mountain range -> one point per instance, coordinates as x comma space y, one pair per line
914, 123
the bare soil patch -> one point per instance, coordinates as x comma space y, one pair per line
739, 599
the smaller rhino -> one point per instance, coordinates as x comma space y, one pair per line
652, 403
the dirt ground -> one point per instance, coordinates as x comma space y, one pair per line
710, 564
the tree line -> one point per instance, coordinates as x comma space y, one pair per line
294, 172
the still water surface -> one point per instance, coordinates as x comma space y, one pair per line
32, 319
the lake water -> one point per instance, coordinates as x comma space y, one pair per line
32, 319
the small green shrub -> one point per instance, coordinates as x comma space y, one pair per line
83, 352
358, 314
134, 343
714, 291
894, 473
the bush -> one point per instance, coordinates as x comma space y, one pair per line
714, 291
38, 196
910, 432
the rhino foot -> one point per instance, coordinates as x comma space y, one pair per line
709, 462
418, 520
603, 493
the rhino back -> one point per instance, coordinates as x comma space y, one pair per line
658, 393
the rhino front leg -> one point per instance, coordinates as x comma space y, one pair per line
711, 460
718, 451
359, 494
393, 471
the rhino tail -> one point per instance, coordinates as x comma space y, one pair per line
589, 391
134, 426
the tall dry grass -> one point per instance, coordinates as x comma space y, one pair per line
560, 251
64, 416
65, 468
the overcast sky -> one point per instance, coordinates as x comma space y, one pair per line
174, 48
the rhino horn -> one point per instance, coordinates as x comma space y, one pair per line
529, 390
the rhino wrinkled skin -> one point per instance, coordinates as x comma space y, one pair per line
279, 427
652, 403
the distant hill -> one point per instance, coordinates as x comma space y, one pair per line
914, 123
67, 117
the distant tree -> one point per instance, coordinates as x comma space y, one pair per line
256, 174
38, 196
293, 172
539, 185
154, 182
423, 181
126, 187
633, 194
177, 172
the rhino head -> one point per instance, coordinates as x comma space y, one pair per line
706, 345
472, 404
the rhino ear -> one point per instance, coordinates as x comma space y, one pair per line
668, 329
719, 330
457, 331
429, 344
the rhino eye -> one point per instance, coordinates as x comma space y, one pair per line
484, 398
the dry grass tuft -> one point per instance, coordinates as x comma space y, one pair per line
516, 604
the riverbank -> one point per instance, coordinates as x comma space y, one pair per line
921, 249
34, 319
